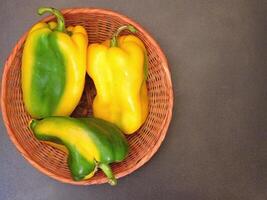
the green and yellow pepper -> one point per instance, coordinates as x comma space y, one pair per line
53, 67
118, 68
91, 143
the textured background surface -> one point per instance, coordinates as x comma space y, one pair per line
216, 146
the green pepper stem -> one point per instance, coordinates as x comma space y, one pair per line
114, 40
60, 19
107, 170
32, 124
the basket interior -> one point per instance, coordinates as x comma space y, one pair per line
53, 162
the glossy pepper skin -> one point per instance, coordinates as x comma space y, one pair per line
118, 68
53, 67
91, 143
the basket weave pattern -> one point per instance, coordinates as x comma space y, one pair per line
100, 25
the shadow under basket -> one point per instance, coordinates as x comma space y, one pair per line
100, 25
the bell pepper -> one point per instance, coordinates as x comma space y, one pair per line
118, 68
91, 143
53, 67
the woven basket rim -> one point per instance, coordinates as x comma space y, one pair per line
27, 155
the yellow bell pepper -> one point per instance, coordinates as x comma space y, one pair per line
53, 67
118, 68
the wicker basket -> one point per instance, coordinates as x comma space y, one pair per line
100, 25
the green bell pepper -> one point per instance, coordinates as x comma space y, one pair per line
91, 143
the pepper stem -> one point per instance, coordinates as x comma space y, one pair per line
107, 170
114, 40
32, 124
60, 19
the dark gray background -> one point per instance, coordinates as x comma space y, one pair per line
216, 146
